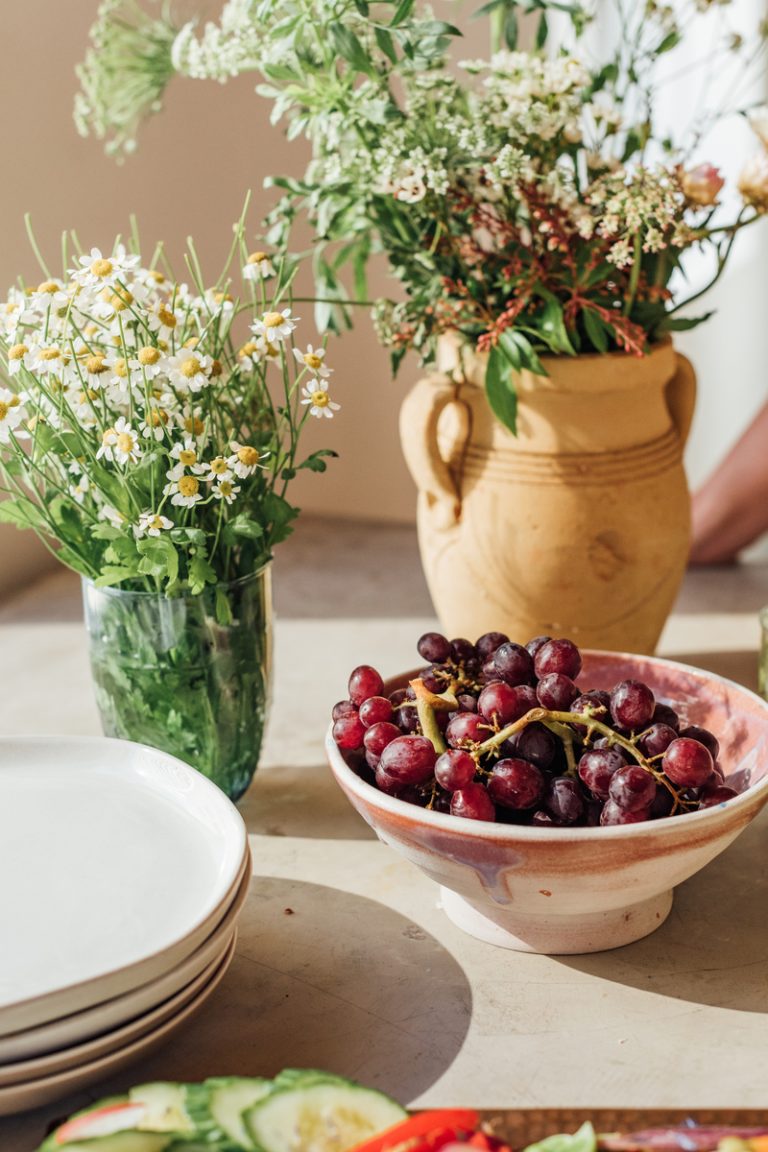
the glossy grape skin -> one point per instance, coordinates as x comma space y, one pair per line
656, 739
596, 702
664, 714
378, 736
544, 819
434, 647
375, 709
343, 708
462, 651
632, 788
466, 702
688, 763
597, 768
558, 656
466, 727
454, 770
348, 731
711, 795
409, 759
500, 702
632, 705
487, 644
563, 799
407, 718
516, 784
662, 803
396, 698
386, 782
513, 664
473, 803
556, 692
364, 681
538, 642
433, 680
704, 736
535, 743
613, 814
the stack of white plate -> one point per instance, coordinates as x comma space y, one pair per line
122, 874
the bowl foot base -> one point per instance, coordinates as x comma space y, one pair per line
558, 935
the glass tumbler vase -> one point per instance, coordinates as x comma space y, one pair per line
190, 675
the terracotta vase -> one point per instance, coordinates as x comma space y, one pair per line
579, 525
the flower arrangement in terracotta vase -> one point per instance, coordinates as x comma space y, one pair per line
149, 432
536, 219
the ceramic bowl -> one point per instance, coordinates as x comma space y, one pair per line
574, 890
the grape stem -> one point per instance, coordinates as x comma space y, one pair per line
550, 718
426, 705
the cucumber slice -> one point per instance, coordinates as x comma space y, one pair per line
321, 1116
165, 1108
228, 1098
295, 1077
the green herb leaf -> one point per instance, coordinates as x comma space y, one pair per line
500, 389
584, 1140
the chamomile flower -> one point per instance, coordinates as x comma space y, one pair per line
151, 524
245, 460
184, 491
111, 515
162, 319
97, 269
314, 359
186, 456
225, 490
274, 326
316, 395
80, 488
258, 266
12, 414
154, 424
48, 360
126, 448
19, 356
189, 370
217, 470
148, 361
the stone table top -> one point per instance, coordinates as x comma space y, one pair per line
345, 960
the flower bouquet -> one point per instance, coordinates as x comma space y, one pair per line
149, 431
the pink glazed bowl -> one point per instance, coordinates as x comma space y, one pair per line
574, 890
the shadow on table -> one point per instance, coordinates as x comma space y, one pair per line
713, 949
305, 802
324, 979
738, 665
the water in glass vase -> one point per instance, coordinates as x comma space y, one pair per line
190, 675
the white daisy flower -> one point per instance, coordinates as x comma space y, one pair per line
186, 456
154, 424
79, 490
127, 447
95, 367
226, 490
151, 524
48, 360
189, 370
99, 270
274, 326
245, 460
313, 359
316, 395
11, 312
12, 414
184, 491
19, 356
148, 362
217, 470
111, 515
258, 267
49, 296
162, 319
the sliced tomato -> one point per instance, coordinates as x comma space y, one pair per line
114, 1117
424, 1131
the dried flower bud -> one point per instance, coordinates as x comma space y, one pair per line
701, 185
753, 182
758, 122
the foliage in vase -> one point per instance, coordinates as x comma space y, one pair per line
149, 427
529, 202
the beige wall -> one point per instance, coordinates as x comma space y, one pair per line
195, 162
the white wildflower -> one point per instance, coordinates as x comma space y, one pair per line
95, 269
12, 414
314, 360
317, 397
227, 491
273, 326
245, 459
189, 370
151, 524
258, 266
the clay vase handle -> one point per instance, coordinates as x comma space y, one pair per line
419, 415
681, 397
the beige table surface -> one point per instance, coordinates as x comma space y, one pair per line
367, 977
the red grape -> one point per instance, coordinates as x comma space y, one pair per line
704, 736
348, 731
558, 656
632, 788
375, 709
462, 650
473, 802
386, 782
597, 768
343, 708
563, 799
632, 704
535, 743
516, 784
379, 735
513, 663
538, 642
556, 692
466, 728
663, 714
454, 769
498, 702
613, 814
716, 794
489, 642
363, 683
655, 739
409, 759
435, 647
687, 762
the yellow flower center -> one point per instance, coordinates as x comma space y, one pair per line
218, 465
157, 417
194, 425
248, 456
313, 361
257, 258
320, 399
95, 365
126, 442
192, 342
225, 487
248, 349
158, 277
17, 352
101, 267
166, 318
119, 300
108, 437
187, 457
189, 485
14, 402
156, 522
4, 410
49, 286
50, 354
273, 319
148, 355
190, 367
222, 297
120, 367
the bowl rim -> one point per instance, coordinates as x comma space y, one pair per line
349, 780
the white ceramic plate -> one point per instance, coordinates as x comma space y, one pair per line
35, 1093
78, 1054
115, 861
82, 1026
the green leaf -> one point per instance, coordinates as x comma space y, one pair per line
110, 575
22, 514
438, 28
316, 462
682, 323
200, 574
500, 389
242, 525
553, 326
350, 48
670, 41
402, 12
542, 31
520, 352
511, 30
595, 330
386, 44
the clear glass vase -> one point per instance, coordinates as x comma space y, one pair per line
190, 675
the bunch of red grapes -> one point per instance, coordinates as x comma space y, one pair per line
500, 731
